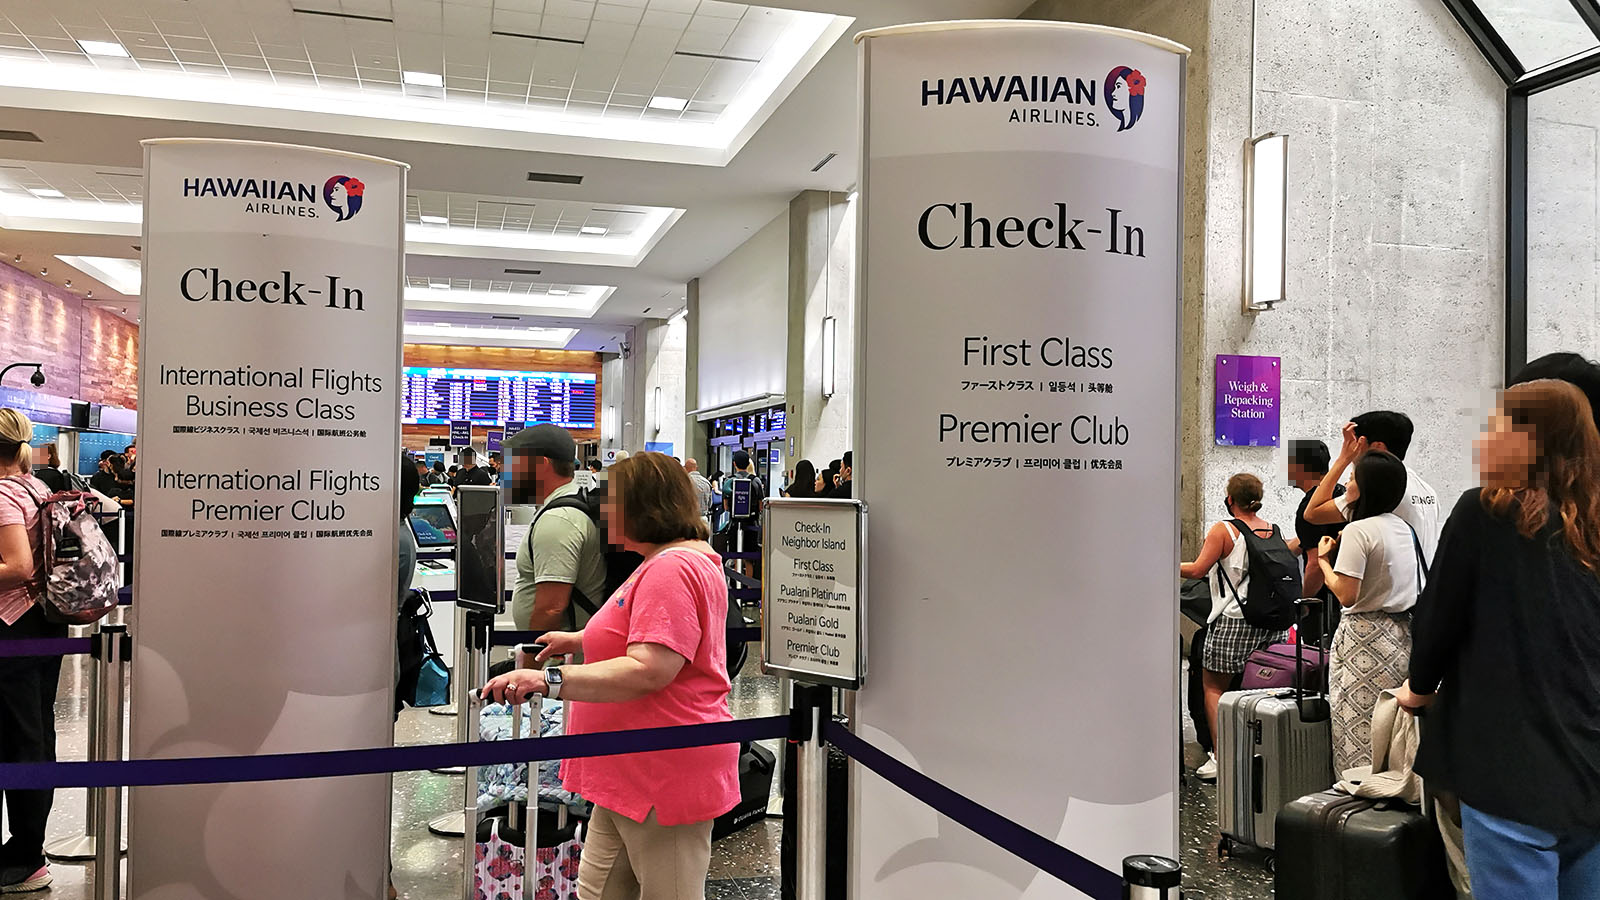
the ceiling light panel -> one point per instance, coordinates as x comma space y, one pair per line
564, 69
96, 200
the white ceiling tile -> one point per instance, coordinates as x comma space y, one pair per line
362, 30
532, 6
555, 58
719, 8
724, 80
468, 21
69, 59
564, 27
198, 56
183, 43
462, 71
685, 72
325, 71
577, 9
144, 53
665, 19
284, 51
701, 42
712, 25
58, 45
289, 67
97, 31
612, 12
326, 6
173, 28
678, 6
460, 50
160, 65
508, 87
609, 36
241, 61
238, 47
516, 22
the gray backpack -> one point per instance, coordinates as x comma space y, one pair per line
80, 565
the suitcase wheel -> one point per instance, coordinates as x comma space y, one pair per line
1272, 864
1225, 848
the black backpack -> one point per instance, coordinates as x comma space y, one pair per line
1274, 580
620, 564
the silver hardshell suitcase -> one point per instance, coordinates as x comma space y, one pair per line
1274, 746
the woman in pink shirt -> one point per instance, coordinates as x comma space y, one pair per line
27, 684
656, 656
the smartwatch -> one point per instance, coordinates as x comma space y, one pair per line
552, 680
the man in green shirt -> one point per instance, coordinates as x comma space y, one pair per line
561, 568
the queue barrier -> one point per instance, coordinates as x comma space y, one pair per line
1150, 875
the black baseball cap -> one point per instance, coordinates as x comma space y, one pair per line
741, 459
546, 440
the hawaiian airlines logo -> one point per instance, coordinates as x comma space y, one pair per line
1125, 96
343, 195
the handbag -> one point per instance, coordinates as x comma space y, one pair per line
424, 679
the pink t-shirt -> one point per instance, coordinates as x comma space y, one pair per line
678, 599
17, 507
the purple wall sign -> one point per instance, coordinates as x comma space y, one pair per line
1249, 391
460, 432
491, 441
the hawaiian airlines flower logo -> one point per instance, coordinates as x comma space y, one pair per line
343, 195
1125, 96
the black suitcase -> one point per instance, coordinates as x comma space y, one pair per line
1332, 846
756, 765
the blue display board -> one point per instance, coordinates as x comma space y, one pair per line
42, 435
435, 396
93, 443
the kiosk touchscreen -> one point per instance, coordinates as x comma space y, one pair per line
434, 526
480, 553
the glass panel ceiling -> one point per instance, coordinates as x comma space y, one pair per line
1539, 32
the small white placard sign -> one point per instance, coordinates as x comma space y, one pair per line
812, 566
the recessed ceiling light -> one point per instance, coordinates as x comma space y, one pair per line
594, 229
439, 285
557, 292
674, 104
46, 193
422, 79
435, 220
104, 48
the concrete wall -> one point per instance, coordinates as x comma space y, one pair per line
1396, 218
1396, 226
614, 426
742, 320
822, 250
659, 361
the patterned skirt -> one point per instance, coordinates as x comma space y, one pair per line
1371, 654
1230, 641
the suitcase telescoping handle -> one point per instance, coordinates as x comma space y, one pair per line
1309, 712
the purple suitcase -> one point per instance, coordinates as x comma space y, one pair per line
1274, 667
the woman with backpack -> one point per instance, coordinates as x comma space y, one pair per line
1377, 579
1229, 638
656, 655
27, 684
1506, 652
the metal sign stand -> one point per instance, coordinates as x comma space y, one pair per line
113, 648
472, 670
102, 706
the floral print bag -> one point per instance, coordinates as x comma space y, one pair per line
500, 870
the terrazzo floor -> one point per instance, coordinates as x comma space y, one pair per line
743, 867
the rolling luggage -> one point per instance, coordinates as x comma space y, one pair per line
1274, 667
508, 836
1273, 746
1332, 846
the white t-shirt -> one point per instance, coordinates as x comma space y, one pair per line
1381, 552
1420, 509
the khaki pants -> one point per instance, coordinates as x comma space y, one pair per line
626, 860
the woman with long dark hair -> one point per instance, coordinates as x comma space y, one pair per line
1506, 652
1377, 579
804, 483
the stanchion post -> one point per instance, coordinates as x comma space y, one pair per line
113, 648
474, 668
80, 847
1151, 878
812, 704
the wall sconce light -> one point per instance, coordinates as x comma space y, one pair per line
656, 396
1266, 216
829, 353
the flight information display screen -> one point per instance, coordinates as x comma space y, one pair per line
435, 396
